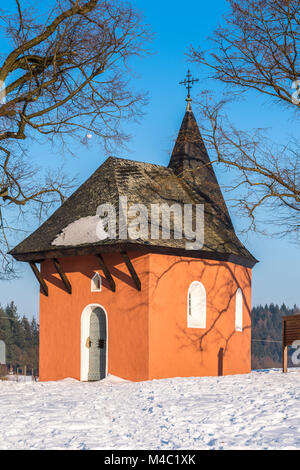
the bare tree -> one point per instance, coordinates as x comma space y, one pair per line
258, 50
66, 75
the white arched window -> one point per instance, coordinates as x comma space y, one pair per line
196, 307
96, 283
239, 310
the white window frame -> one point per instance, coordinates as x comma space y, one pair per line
196, 318
94, 287
239, 310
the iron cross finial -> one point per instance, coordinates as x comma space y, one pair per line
188, 83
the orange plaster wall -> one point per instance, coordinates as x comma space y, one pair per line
176, 350
148, 336
127, 310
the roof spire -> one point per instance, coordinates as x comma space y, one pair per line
188, 82
191, 164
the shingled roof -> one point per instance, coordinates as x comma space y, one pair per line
189, 179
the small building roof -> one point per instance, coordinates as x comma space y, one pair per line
189, 179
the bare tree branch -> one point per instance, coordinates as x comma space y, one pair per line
67, 75
257, 50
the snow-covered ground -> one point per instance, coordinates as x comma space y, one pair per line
256, 411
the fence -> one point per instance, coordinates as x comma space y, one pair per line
22, 374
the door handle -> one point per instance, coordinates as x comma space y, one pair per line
99, 343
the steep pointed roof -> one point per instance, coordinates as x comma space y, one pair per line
191, 163
189, 179
189, 149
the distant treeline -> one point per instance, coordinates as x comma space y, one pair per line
21, 338
266, 330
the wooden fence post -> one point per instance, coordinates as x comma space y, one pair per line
284, 358
284, 348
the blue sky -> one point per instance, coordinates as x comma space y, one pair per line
176, 26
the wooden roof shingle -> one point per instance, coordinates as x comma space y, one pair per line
189, 179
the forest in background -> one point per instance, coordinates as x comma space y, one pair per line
266, 346
21, 336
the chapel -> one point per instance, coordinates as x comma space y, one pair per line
142, 307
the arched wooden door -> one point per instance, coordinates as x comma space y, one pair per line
97, 345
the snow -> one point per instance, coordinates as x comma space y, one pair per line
83, 230
260, 410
